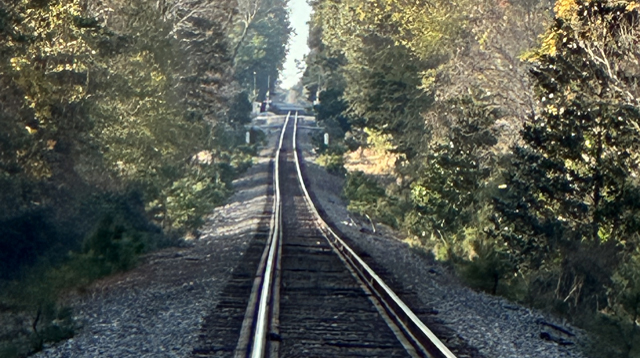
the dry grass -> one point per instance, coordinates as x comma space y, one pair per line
371, 161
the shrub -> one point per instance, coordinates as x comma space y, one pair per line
367, 197
333, 163
113, 246
362, 190
36, 295
24, 238
486, 268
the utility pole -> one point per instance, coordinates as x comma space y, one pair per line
268, 85
254, 88
267, 99
316, 101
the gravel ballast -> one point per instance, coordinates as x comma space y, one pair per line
493, 325
157, 309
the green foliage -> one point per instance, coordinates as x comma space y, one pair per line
450, 191
570, 206
9, 350
22, 240
571, 196
488, 267
334, 163
362, 191
261, 45
125, 106
191, 197
618, 324
367, 197
36, 297
499, 172
113, 247
619, 336
123, 126
240, 111
330, 112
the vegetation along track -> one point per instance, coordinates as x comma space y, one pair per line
312, 295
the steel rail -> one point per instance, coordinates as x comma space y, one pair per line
421, 338
256, 322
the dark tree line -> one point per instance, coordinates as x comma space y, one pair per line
122, 128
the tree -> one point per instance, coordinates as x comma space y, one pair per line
261, 54
449, 192
155, 114
380, 76
248, 10
50, 62
571, 201
497, 34
115, 99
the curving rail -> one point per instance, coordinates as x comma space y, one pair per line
261, 317
253, 334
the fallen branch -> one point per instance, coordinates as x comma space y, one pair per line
556, 327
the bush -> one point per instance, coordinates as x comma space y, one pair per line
35, 296
367, 197
23, 239
334, 164
113, 246
616, 336
362, 190
486, 269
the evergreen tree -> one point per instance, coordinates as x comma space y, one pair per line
447, 195
572, 196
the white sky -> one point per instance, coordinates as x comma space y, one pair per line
299, 12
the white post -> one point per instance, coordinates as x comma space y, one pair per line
326, 139
247, 137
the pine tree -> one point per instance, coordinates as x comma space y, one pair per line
447, 193
571, 200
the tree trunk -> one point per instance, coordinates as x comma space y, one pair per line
240, 42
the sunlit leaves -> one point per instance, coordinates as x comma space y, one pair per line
54, 50
447, 193
120, 101
48, 61
570, 187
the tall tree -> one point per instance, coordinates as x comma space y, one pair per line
572, 195
448, 194
260, 57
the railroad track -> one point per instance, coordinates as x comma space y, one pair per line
312, 295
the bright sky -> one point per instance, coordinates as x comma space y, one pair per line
299, 16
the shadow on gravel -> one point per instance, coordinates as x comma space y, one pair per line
220, 330
328, 183
251, 186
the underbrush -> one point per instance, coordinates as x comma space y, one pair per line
618, 338
613, 330
331, 157
31, 302
367, 197
480, 261
51, 249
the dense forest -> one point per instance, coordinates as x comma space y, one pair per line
123, 125
514, 126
